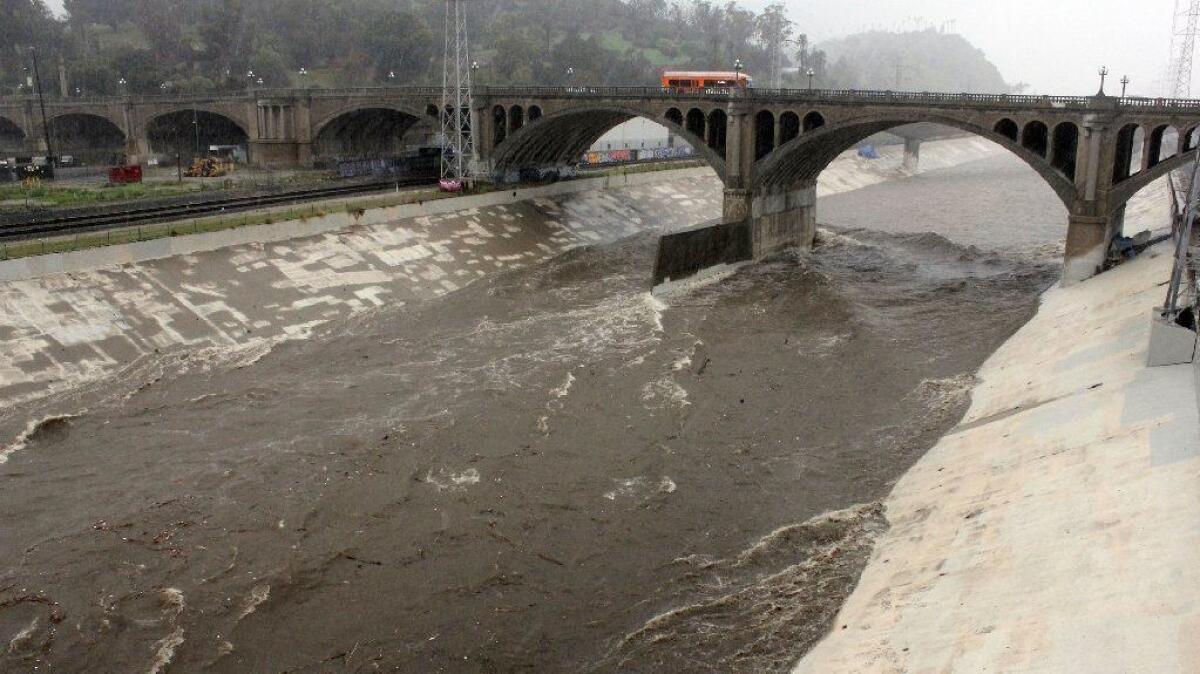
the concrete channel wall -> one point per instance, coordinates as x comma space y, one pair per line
1057, 528
141, 251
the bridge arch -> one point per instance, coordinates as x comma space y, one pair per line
561, 138
1064, 148
1125, 190
1123, 166
696, 122
499, 124
90, 138
801, 161
1164, 143
1035, 137
12, 136
180, 131
764, 134
516, 118
366, 131
429, 112
813, 121
1008, 128
718, 130
1190, 139
789, 127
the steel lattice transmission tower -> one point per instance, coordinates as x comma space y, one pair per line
458, 143
1183, 48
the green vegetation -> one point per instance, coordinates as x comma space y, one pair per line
54, 195
14, 196
212, 45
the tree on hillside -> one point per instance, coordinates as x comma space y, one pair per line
775, 30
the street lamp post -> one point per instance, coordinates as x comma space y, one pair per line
811, 74
303, 77
37, 78
196, 130
391, 77
1103, 74
121, 83
1124, 84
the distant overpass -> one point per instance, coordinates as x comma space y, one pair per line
767, 146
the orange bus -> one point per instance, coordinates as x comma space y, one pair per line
694, 80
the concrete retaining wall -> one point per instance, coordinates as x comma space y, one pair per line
683, 254
108, 256
1056, 530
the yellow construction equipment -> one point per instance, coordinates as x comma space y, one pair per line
209, 167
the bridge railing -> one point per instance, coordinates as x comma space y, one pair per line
1162, 103
655, 92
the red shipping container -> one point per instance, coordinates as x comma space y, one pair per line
125, 175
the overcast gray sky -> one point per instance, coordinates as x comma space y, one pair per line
1054, 45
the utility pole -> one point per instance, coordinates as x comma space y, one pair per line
458, 142
37, 78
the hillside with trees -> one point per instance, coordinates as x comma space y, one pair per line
213, 45
927, 60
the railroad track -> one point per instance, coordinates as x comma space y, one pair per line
75, 224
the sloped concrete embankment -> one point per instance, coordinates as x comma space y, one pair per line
77, 317
1056, 529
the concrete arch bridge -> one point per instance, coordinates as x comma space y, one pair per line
767, 146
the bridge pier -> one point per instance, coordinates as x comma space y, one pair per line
279, 154
783, 219
1088, 240
137, 148
912, 154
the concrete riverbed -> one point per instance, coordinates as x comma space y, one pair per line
540, 467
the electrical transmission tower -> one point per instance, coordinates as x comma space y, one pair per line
458, 142
1183, 48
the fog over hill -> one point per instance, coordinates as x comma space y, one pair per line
926, 60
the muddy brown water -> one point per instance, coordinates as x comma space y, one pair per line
548, 471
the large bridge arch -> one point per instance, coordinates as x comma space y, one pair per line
561, 138
367, 130
89, 138
181, 131
801, 160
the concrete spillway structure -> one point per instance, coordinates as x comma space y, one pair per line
1057, 529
